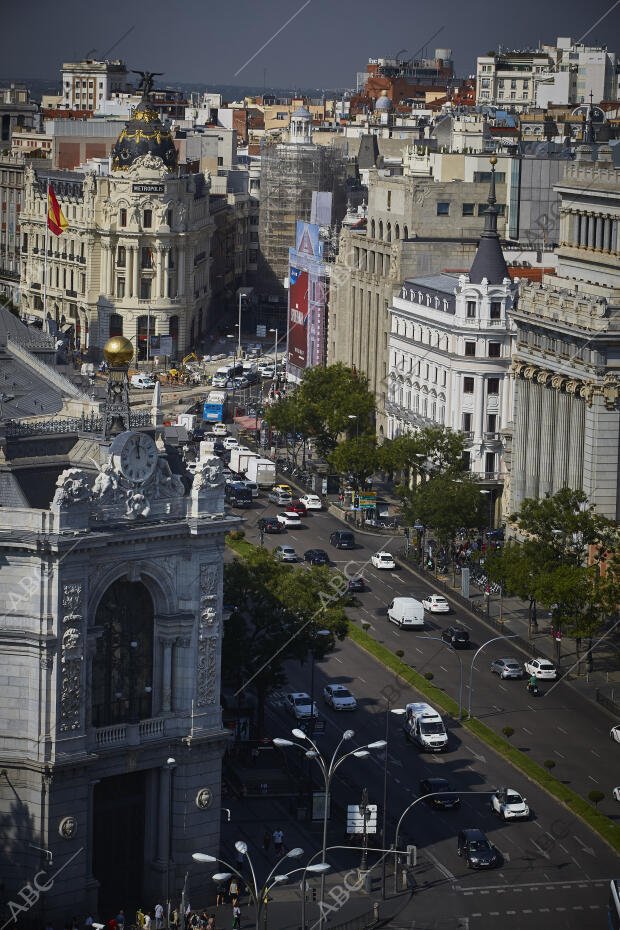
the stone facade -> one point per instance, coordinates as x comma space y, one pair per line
118, 792
566, 424
136, 254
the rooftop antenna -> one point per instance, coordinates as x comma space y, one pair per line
89, 53
118, 41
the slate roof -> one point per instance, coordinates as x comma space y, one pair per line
489, 261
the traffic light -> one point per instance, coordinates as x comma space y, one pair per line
406, 532
356, 500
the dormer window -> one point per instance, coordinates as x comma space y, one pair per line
496, 310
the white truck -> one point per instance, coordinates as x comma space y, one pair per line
240, 457
262, 472
424, 726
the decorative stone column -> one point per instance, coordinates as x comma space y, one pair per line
158, 266
103, 277
533, 452
135, 251
561, 445
163, 834
600, 223
591, 231
577, 435
180, 673
166, 674
545, 483
181, 269
166, 272
519, 454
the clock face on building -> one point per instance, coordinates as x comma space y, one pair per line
135, 456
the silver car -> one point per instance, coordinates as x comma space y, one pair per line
507, 668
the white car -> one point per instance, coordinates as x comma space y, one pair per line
311, 502
288, 518
436, 604
541, 668
218, 429
616, 794
509, 805
339, 698
614, 733
285, 553
230, 442
300, 705
383, 560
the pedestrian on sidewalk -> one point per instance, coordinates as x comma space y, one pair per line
174, 919
211, 922
139, 919
278, 840
120, 920
233, 891
111, 924
240, 861
148, 923
266, 840
236, 917
159, 917
220, 890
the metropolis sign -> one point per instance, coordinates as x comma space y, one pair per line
147, 188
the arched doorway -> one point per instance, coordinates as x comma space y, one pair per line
122, 675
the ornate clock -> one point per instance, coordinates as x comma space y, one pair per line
134, 455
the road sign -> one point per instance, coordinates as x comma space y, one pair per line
355, 818
261, 331
367, 500
318, 805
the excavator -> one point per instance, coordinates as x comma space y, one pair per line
185, 375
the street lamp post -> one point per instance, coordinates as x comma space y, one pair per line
471, 670
328, 770
399, 711
257, 894
315, 634
275, 354
170, 766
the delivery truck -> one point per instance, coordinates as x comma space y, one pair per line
262, 472
239, 459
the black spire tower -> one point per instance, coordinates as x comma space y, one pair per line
489, 261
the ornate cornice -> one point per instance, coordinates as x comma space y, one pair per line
608, 389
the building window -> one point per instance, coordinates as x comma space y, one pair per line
147, 257
468, 209
120, 290
467, 417
493, 385
148, 219
513, 95
486, 82
443, 208
470, 348
489, 463
513, 84
496, 310
471, 309
492, 423
121, 257
123, 217
484, 177
389, 232
389, 200
466, 461
145, 288
468, 385
116, 325
495, 349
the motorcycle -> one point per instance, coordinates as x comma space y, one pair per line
533, 689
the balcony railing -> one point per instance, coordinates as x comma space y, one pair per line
492, 436
129, 734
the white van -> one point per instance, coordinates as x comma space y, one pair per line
142, 381
424, 726
280, 497
407, 613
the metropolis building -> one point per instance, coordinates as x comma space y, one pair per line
135, 257
111, 732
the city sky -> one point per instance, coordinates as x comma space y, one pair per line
324, 45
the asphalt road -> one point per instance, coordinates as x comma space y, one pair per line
555, 871
559, 725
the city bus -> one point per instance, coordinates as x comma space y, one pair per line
613, 908
215, 407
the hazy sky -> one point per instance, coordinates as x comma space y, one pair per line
326, 43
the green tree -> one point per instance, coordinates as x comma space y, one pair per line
285, 417
433, 450
275, 606
332, 401
444, 503
357, 458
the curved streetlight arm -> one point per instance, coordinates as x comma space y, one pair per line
423, 797
348, 756
254, 891
479, 649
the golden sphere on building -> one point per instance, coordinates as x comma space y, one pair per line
118, 351
493, 160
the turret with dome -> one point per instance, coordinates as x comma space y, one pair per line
144, 134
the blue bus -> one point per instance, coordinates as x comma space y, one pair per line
215, 407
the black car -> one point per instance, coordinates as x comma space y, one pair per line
478, 852
356, 584
316, 557
457, 638
269, 525
218, 447
443, 801
342, 539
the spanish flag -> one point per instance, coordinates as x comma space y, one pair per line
55, 217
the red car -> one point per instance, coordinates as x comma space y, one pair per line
297, 507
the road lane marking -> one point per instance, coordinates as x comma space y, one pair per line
337, 659
562, 731
442, 868
417, 648
595, 753
502, 687
559, 754
529, 732
443, 669
595, 780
